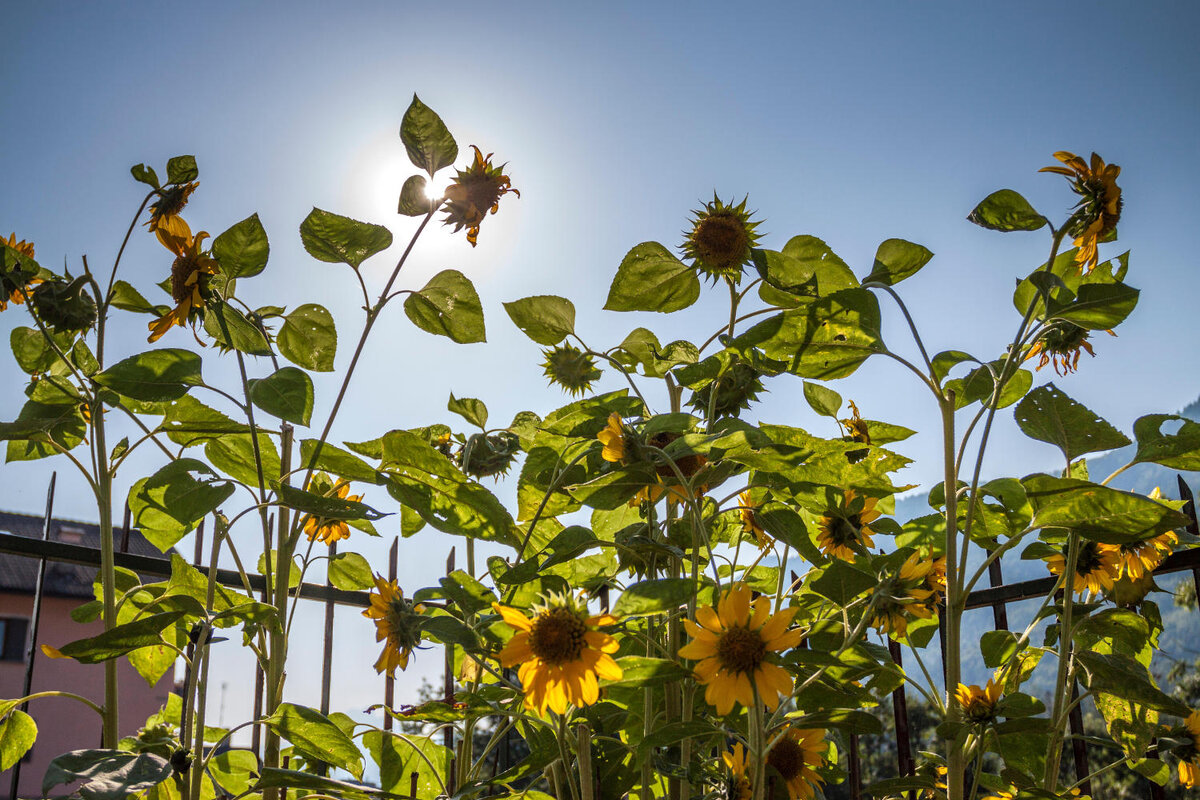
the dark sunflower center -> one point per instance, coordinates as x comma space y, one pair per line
172, 200
557, 636
741, 650
1089, 559
181, 270
787, 757
720, 240
479, 192
402, 625
845, 531
1065, 337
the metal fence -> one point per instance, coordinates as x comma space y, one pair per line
997, 596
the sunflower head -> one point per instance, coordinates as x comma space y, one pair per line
615, 438
979, 704
1060, 344
168, 204
398, 622
328, 529
1100, 203
571, 368
18, 270
905, 596
845, 531
751, 524
1189, 754
64, 306
856, 431
1095, 570
486, 455
735, 390
191, 276
474, 192
720, 240
737, 786
796, 756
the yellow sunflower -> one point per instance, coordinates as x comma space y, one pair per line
750, 524
979, 704
842, 534
398, 621
796, 756
1007, 794
1095, 571
1061, 343
164, 211
12, 284
739, 784
908, 598
734, 643
613, 439
190, 275
856, 431
325, 529
559, 653
1099, 207
474, 192
1189, 765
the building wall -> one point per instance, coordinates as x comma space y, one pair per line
65, 724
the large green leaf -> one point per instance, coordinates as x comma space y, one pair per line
154, 375
233, 770
181, 169
1120, 675
18, 732
234, 455
653, 597
841, 582
187, 422
547, 319
1100, 306
1178, 450
426, 138
1006, 210
336, 239
350, 571
398, 757
287, 394
106, 774
1048, 415
326, 507
1097, 512
414, 199
897, 259
37, 422
651, 278
472, 410
316, 737
448, 306
308, 338
169, 503
122, 639
273, 778
232, 330
127, 298
242, 251
337, 461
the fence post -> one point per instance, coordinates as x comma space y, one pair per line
904, 758
327, 653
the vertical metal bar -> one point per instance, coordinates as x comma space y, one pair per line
904, 758
1078, 747
190, 650
259, 676
448, 695
389, 683
198, 551
999, 610
412, 785
35, 617
855, 769
327, 654
125, 529
1185, 493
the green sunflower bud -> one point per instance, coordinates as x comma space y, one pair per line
571, 368
735, 390
64, 307
486, 455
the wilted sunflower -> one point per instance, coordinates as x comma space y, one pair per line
190, 276
739, 784
323, 529
909, 597
750, 523
571, 368
734, 643
1099, 207
487, 455
979, 704
721, 239
559, 653
1189, 761
840, 531
15, 284
473, 192
856, 431
796, 757
1095, 570
1061, 343
165, 210
613, 437
398, 621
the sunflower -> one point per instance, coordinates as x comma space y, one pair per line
325, 529
842, 533
190, 275
559, 653
164, 211
796, 756
1189, 765
936, 579
856, 431
1138, 559
739, 785
571, 368
721, 239
16, 284
979, 704
398, 621
1099, 208
734, 643
1006, 794
734, 389
907, 598
1095, 570
750, 523
473, 192
1061, 344
613, 437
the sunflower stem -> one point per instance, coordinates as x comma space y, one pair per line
1058, 715
954, 603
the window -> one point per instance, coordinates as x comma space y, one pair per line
13, 631
70, 535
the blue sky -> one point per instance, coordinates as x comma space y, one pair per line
854, 122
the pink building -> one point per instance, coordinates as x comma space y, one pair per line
63, 724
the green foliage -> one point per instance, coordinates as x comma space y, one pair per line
336, 239
315, 737
426, 138
1048, 415
308, 338
18, 732
106, 774
242, 250
650, 278
286, 393
448, 306
896, 260
155, 375
547, 319
1006, 211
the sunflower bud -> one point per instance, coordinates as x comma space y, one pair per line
485, 455
735, 390
64, 307
721, 239
571, 368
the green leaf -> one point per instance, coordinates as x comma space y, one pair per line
414, 201
350, 571
824, 401
850, 721
18, 732
154, 375
127, 298
122, 639
946, 360
273, 778
234, 455
547, 319
448, 306
426, 138
336, 239
326, 507
651, 278
232, 330
997, 647
182, 169
38, 422
398, 757
294, 573
308, 338
1100, 306
1006, 211
653, 597
1097, 512
1048, 415
242, 251
645, 671
470, 409
169, 503
841, 582
188, 422
233, 770
896, 260
1178, 450
337, 461
287, 394
31, 350
143, 174
315, 737
805, 269
106, 774
1122, 676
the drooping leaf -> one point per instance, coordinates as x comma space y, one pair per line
335, 460
18, 732
336, 239
1097, 512
1120, 675
472, 410
287, 394
1006, 211
414, 200
316, 737
231, 330
127, 298
308, 338
154, 375
120, 640
326, 507
243, 249
1178, 450
896, 260
823, 400
547, 319
350, 571
448, 306
143, 174
1100, 306
169, 503
426, 138
106, 774
1048, 415
651, 278
653, 597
